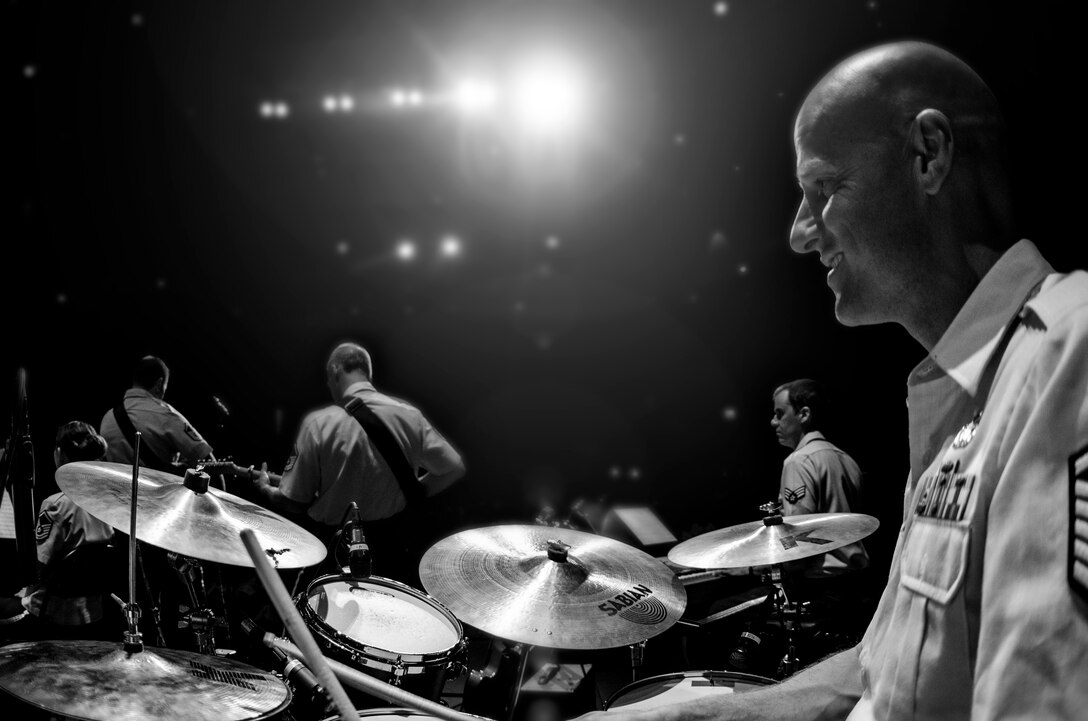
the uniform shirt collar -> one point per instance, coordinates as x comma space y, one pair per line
809, 438
965, 348
142, 393
358, 387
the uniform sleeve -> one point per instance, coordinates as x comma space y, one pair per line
301, 480
1033, 637
439, 456
797, 488
185, 438
51, 531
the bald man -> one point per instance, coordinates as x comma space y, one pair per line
336, 461
901, 162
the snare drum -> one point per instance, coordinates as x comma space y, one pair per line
672, 688
385, 629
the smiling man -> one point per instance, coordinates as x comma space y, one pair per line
906, 198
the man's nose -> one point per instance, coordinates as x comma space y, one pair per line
805, 231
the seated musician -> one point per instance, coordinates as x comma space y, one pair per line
70, 597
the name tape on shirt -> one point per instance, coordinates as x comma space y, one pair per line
945, 494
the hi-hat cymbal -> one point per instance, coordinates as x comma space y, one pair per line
98, 680
763, 543
552, 587
172, 516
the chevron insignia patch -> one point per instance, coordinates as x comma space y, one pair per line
793, 495
1078, 523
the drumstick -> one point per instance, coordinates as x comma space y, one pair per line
296, 627
376, 687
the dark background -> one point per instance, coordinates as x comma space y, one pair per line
150, 209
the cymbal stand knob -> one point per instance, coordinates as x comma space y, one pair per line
557, 551
133, 639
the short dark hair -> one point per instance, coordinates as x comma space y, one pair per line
351, 357
148, 371
806, 392
78, 441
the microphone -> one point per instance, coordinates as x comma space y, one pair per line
359, 560
308, 690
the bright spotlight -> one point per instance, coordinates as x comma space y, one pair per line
406, 250
330, 104
414, 97
474, 96
267, 110
549, 96
398, 98
451, 246
347, 103
282, 111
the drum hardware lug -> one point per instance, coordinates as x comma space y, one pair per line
398, 670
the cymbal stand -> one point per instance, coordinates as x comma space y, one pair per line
637, 652
790, 613
133, 641
199, 618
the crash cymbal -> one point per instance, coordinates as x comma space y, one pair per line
552, 587
172, 516
98, 680
766, 542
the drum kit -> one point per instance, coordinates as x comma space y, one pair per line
525, 585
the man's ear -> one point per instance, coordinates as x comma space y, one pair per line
932, 147
805, 415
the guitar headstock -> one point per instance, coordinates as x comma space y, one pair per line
225, 467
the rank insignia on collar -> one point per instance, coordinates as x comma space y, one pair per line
967, 433
1078, 523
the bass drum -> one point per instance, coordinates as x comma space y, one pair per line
672, 688
386, 630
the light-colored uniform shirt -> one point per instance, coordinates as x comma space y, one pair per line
983, 617
165, 431
62, 527
334, 463
818, 477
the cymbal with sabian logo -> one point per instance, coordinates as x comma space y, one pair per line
553, 587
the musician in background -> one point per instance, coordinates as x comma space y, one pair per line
336, 461
165, 433
76, 564
817, 476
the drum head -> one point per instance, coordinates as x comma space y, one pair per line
395, 713
383, 614
675, 688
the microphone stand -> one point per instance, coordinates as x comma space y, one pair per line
133, 640
19, 478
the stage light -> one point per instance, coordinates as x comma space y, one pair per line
474, 96
347, 103
267, 110
280, 110
721, 8
330, 104
552, 242
414, 97
549, 96
451, 246
406, 250
398, 98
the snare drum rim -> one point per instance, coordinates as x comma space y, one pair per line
705, 673
357, 647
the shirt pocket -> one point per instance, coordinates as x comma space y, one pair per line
934, 561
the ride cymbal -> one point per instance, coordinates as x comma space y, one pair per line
552, 587
99, 680
771, 541
170, 515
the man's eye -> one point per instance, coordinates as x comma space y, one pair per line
827, 188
